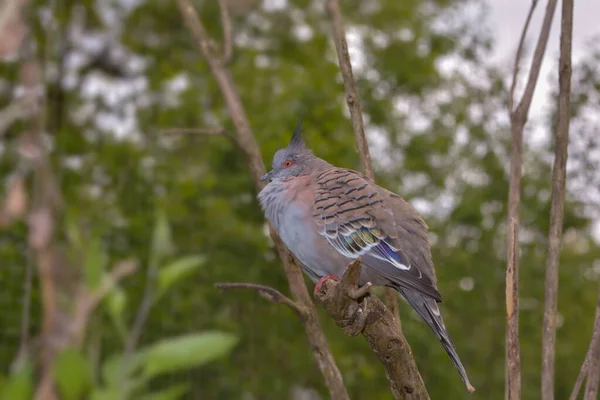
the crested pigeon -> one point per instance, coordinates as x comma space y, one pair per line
328, 216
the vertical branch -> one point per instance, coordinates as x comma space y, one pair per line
251, 152
591, 364
341, 46
518, 119
558, 199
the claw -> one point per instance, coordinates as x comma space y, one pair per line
322, 280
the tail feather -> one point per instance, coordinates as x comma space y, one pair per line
428, 309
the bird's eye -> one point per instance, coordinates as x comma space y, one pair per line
287, 163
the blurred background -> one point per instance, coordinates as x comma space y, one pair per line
433, 78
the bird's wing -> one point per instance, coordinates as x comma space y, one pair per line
360, 219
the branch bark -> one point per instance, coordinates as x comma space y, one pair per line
518, 118
558, 199
353, 100
251, 152
591, 364
195, 131
357, 312
269, 293
520, 47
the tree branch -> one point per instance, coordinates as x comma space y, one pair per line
368, 315
536, 62
18, 109
353, 100
88, 301
518, 118
515, 76
226, 25
591, 364
558, 200
269, 293
195, 131
250, 150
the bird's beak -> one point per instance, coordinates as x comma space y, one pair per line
266, 176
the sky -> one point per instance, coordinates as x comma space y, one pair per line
507, 17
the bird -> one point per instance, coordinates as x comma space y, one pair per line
328, 216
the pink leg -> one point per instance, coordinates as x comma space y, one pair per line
322, 280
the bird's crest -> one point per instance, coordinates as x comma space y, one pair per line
297, 139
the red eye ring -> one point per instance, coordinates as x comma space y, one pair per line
287, 163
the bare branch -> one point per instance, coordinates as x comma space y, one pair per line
20, 108
353, 100
120, 271
87, 302
142, 312
515, 76
8, 9
518, 118
226, 25
536, 62
558, 199
369, 317
269, 293
341, 46
195, 131
591, 364
581, 377
251, 152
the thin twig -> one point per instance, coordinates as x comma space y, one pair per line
142, 312
20, 108
268, 293
247, 144
195, 131
26, 312
341, 46
558, 199
120, 271
353, 100
582, 375
536, 62
87, 302
592, 358
515, 76
7, 12
593, 366
226, 25
518, 118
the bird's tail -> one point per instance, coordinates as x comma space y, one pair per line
428, 310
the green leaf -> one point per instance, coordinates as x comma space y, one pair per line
111, 393
19, 385
176, 271
171, 393
185, 352
115, 303
115, 372
72, 231
162, 245
73, 374
94, 263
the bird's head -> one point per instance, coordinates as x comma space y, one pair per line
291, 161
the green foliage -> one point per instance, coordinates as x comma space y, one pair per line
72, 374
128, 376
176, 271
439, 138
18, 385
175, 354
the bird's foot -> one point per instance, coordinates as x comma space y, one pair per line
322, 280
